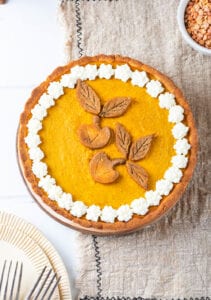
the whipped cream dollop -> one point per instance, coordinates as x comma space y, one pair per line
36, 153
77, 72
176, 114
34, 125
105, 71
39, 112
179, 130
153, 198
173, 174
55, 89
32, 140
182, 146
124, 213
91, 72
163, 187
46, 183
139, 78
67, 80
55, 192
154, 88
65, 201
93, 213
166, 100
139, 206
39, 169
123, 72
46, 101
179, 161
108, 214
78, 209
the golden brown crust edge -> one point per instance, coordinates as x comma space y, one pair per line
82, 224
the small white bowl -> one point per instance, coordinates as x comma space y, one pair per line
185, 34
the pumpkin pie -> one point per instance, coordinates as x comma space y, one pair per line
107, 144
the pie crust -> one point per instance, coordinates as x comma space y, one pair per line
82, 223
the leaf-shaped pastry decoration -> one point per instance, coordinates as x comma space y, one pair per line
93, 136
102, 168
115, 107
138, 174
123, 139
140, 148
89, 100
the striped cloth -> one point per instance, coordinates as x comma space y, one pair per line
170, 258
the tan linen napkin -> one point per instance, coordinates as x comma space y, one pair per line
170, 258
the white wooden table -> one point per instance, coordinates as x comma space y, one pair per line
30, 48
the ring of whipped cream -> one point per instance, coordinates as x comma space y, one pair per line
138, 206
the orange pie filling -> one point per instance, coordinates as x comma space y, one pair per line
68, 159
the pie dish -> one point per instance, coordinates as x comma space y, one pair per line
107, 144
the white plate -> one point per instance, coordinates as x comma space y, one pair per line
15, 224
16, 246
